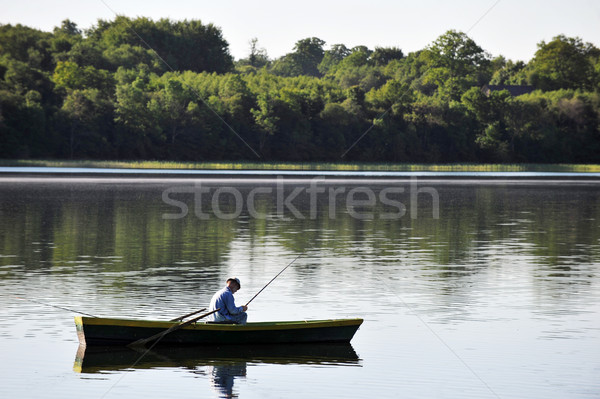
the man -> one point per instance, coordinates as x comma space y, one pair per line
223, 300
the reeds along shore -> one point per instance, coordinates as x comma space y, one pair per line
578, 168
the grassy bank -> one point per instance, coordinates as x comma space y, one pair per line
309, 166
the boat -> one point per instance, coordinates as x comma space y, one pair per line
100, 331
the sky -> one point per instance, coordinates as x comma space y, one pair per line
511, 28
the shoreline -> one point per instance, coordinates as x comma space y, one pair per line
310, 167
223, 174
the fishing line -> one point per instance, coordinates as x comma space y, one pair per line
57, 307
132, 366
406, 305
289, 264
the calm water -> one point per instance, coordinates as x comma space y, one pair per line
479, 289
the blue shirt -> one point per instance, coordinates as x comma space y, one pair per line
223, 299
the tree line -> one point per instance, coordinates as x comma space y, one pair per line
144, 89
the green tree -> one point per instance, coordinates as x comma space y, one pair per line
135, 124
383, 55
308, 53
22, 125
70, 76
87, 115
455, 63
27, 45
105, 93
257, 57
304, 60
168, 107
333, 57
356, 69
184, 45
129, 57
563, 63
458, 53
68, 27
492, 114
265, 118
510, 73
64, 38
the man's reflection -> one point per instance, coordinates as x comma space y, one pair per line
222, 377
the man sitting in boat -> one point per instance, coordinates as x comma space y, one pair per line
223, 300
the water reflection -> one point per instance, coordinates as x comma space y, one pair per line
116, 229
124, 225
507, 276
224, 365
98, 359
223, 376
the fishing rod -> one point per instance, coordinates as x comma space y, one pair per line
289, 264
54, 306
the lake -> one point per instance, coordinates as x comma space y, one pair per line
469, 287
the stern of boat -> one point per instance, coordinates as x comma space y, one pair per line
80, 332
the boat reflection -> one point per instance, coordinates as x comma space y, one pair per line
225, 363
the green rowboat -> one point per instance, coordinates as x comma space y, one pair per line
96, 331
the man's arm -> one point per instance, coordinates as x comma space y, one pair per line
230, 304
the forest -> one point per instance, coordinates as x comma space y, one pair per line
170, 90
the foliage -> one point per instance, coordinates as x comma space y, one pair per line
564, 63
257, 58
169, 90
304, 60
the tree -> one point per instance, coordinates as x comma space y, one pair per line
393, 95
265, 118
68, 27
383, 55
356, 69
333, 57
130, 57
105, 93
258, 56
509, 73
22, 125
27, 45
455, 63
168, 107
458, 53
563, 63
304, 60
70, 76
492, 113
309, 54
87, 115
135, 124
286, 66
183, 45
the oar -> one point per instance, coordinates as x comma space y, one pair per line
144, 341
180, 318
289, 264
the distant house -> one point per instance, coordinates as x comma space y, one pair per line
514, 90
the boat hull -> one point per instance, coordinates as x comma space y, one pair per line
96, 331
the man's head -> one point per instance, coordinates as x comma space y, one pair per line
234, 284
